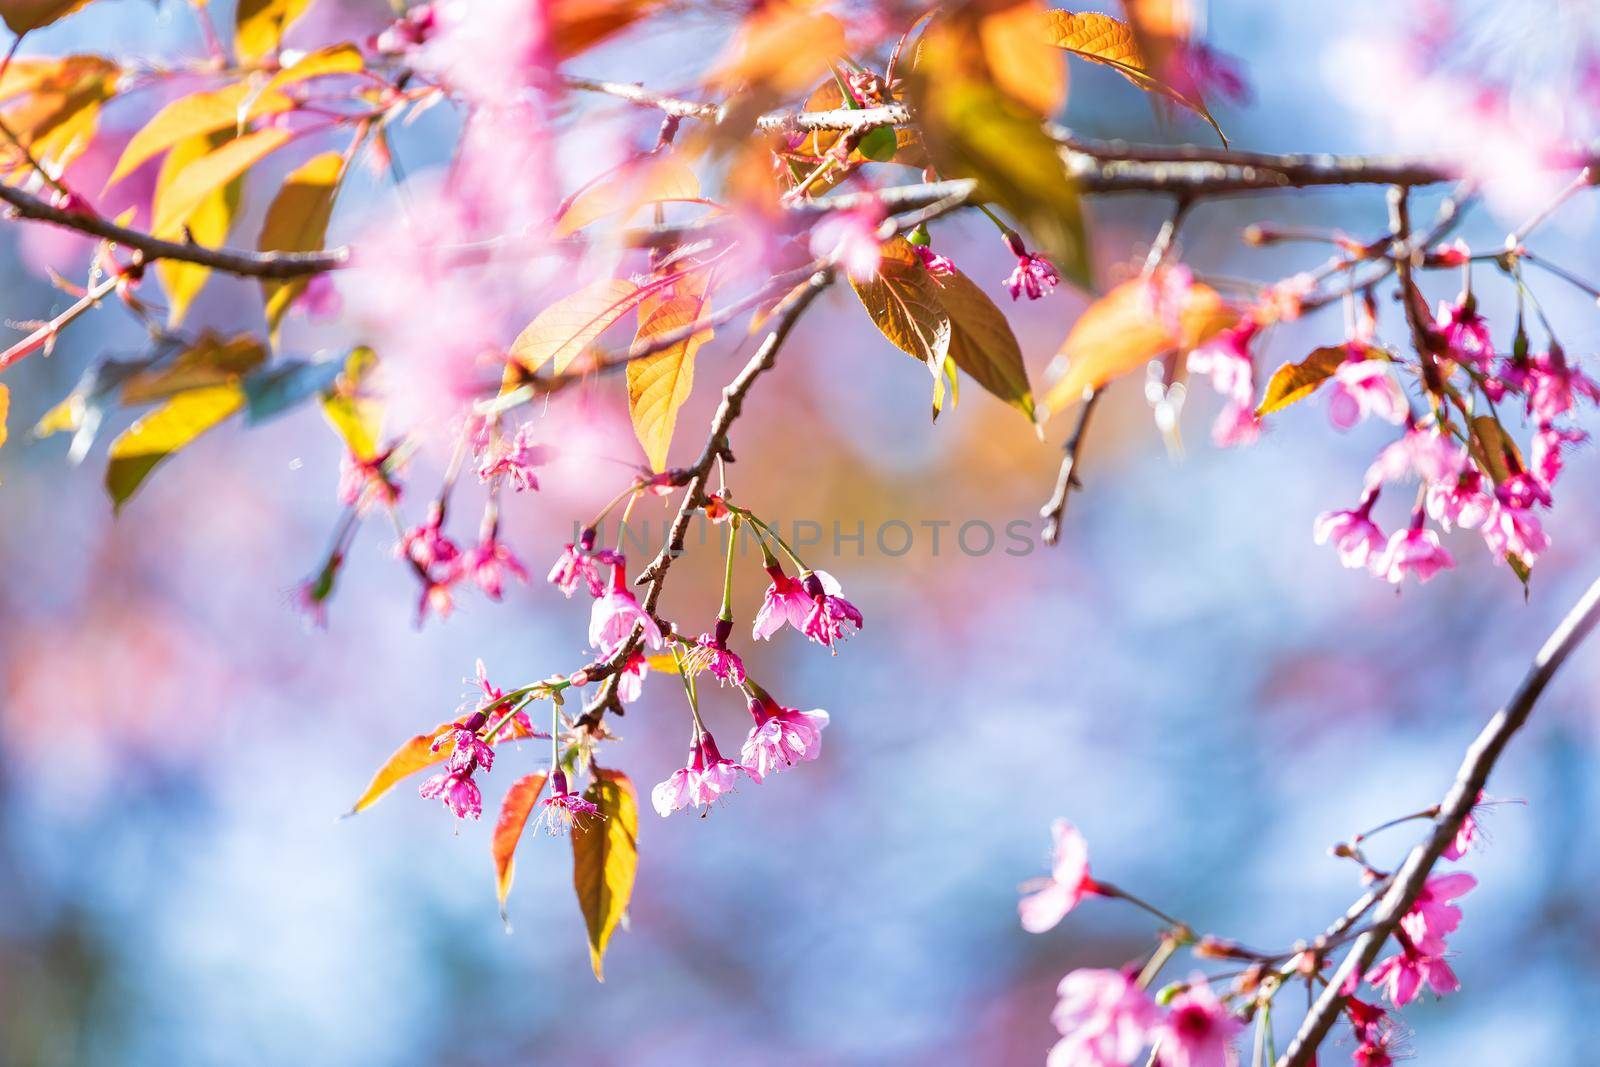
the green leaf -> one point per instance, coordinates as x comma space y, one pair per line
879, 145
155, 437
1293, 382
271, 391
605, 857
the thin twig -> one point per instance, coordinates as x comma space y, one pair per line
1067, 478
1470, 780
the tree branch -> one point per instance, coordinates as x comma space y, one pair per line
1067, 478
1470, 780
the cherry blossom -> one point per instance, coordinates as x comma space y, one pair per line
849, 239
580, 563
1198, 1030
1403, 975
1104, 1018
780, 736
489, 563
562, 808
614, 616
1050, 899
707, 777
785, 601
1363, 387
832, 618
514, 459
1413, 551
1359, 541
1434, 915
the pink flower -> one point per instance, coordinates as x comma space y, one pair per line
1465, 334
630, 679
1453, 254
711, 653
563, 807
471, 751
1426, 452
1237, 425
1415, 550
436, 597
1510, 530
1199, 1029
1165, 294
935, 264
707, 777
457, 791
615, 614
1353, 533
514, 459
364, 482
1363, 387
407, 32
579, 564
785, 601
1227, 361
1049, 899
1548, 444
1034, 275
1552, 382
1104, 1018
1197, 70
488, 564
832, 618
319, 300
1402, 975
1434, 916
426, 545
1459, 502
1374, 1033
781, 736
849, 239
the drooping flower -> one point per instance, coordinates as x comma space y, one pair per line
1237, 425
1467, 833
563, 807
1403, 975
1199, 1029
707, 777
514, 458
1199, 71
1422, 451
1374, 1031
1413, 551
407, 32
579, 564
1226, 360
436, 597
785, 601
1460, 502
365, 482
1434, 915
1546, 459
832, 618
1049, 899
1553, 383
1034, 275
780, 736
935, 264
711, 653
457, 791
489, 563
1359, 541
1509, 530
1104, 1018
426, 544
615, 614
1363, 387
630, 679
849, 239
470, 751
1466, 334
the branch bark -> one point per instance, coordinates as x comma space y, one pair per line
1470, 780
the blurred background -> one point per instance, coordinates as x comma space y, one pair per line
1204, 691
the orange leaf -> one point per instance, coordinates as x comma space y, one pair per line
195, 115
577, 25
1120, 332
520, 799
564, 329
781, 48
5, 406
628, 190
1024, 67
1293, 382
411, 757
24, 16
659, 384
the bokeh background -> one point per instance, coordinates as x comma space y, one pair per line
1206, 693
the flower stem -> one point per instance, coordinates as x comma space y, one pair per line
726, 614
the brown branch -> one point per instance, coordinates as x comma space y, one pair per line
1067, 478
1470, 780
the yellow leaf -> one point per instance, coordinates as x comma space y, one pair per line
411, 757
156, 436
514, 810
334, 59
1112, 42
190, 186
297, 221
974, 129
570, 325
903, 301
260, 25
195, 115
208, 224
1293, 382
1120, 332
210, 361
1025, 68
58, 117
65, 417
358, 419
659, 384
5, 407
24, 16
605, 857
628, 190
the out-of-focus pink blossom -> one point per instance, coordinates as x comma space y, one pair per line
1422, 451
1509, 530
849, 239
1466, 334
1165, 294
514, 459
489, 563
1237, 425
630, 679
1198, 1030
1049, 899
1356, 537
1553, 385
1104, 1018
615, 615
1403, 975
1413, 551
1199, 71
1459, 502
365, 482
1546, 459
406, 32
1434, 915
1227, 362
781, 736
426, 544
1363, 387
